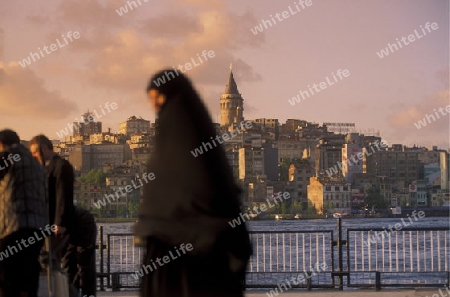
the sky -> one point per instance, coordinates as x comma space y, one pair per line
111, 57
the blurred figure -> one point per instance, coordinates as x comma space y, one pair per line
189, 203
23, 213
79, 256
60, 175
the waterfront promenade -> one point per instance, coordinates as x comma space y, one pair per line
322, 293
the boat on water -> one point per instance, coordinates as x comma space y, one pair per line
278, 217
340, 215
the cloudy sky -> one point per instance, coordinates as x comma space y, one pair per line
115, 55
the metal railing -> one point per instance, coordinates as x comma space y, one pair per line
123, 259
407, 257
365, 258
278, 256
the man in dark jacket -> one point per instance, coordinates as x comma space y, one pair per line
23, 217
61, 178
79, 257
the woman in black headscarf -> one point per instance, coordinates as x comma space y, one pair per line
190, 202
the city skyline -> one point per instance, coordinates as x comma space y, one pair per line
395, 52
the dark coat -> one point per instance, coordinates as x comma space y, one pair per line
84, 230
192, 199
61, 178
22, 193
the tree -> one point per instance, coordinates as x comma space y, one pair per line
284, 208
99, 212
375, 199
82, 204
284, 167
133, 207
312, 209
328, 206
94, 177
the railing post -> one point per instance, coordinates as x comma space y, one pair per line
308, 276
115, 282
448, 279
377, 281
333, 244
108, 264
100, 248
339, 243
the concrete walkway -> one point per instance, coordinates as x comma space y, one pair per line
325, 293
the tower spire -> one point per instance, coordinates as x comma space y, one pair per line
2, 46
231, 103
231, 87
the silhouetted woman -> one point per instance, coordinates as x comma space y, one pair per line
192, 250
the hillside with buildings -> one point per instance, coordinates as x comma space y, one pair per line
328, 168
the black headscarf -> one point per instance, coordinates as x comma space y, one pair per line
192, 199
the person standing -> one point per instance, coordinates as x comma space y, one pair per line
23, 214
79, 257
190, 202
60, 175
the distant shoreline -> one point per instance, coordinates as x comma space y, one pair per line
287, 217
115, 220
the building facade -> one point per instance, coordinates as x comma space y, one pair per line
87, 126
329, 195
398, 164
299, 177
84, 158
134, 125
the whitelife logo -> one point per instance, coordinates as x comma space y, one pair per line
187, 66
376, 237
262, 207
281, 16
423, 123
53, 47
300, 279
411, 38
124, 9
146, 269
9, 160
441, 294
323, 85
225, 137
128, 189
84, 121
353, 161
11, 250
